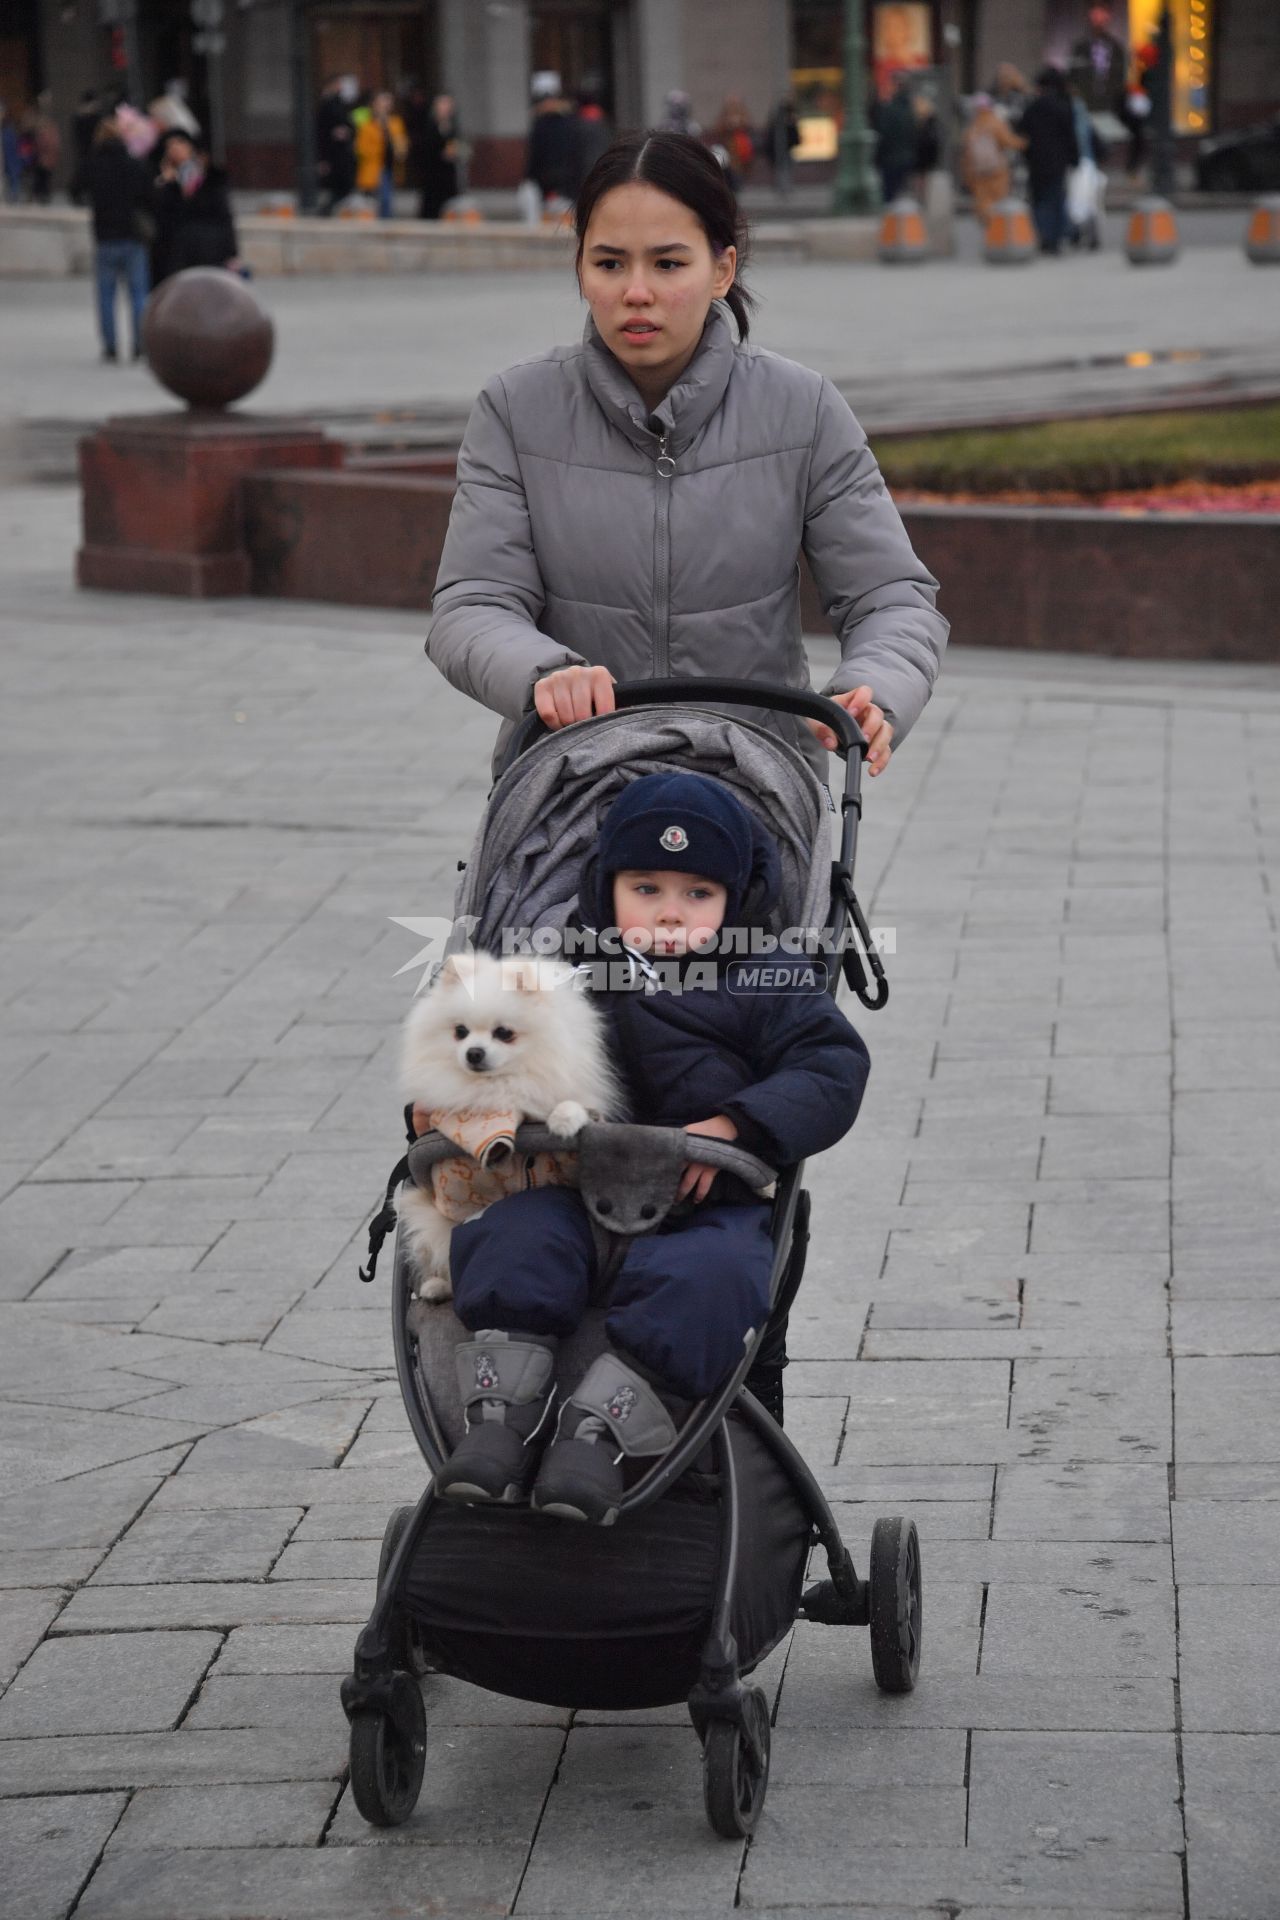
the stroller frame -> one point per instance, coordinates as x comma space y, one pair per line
382, 1697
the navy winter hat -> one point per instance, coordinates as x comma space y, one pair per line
687, 823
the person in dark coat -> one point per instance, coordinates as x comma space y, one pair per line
85, 122
195, 226
119, 195
705, 1044
552, 158
897, 132
335, 142
437, 157
1048, 127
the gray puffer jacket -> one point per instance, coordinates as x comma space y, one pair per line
585, 530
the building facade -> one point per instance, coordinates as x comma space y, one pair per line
254, 68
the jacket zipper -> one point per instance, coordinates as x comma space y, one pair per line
665, 466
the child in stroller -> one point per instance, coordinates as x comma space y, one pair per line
679, 862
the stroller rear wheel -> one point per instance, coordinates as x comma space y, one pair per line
735, 1767
896, 1604
389, 1757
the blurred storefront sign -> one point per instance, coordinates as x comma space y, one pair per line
1192, 26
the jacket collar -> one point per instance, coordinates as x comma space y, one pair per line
690, 403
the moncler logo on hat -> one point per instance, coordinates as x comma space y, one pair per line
674, 839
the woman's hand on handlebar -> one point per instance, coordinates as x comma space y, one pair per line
878, 730
572, 693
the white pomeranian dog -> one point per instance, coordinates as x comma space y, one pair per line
494, 1043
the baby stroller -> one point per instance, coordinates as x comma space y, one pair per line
703, 1575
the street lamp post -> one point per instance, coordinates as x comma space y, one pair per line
1162, 176
857, 189
304, 130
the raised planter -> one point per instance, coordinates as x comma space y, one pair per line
1167, 586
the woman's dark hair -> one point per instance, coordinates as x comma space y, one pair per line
679, 165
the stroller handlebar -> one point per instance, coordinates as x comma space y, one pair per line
429, 1149
768, 697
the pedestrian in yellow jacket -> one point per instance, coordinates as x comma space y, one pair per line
380, 146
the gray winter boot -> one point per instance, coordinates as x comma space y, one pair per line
505, 1383
614, 1413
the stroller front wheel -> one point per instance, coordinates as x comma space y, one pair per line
388, 1761
735, 1768
895, 1603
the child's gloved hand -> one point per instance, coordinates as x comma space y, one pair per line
695, 1181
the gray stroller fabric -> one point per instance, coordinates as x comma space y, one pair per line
544, 814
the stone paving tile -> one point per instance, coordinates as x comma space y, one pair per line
124, 1683
1074, 1794
802, 1866
49, 1844
92, 1762
331, 1883
1111, 1409
162, 1547
289, 1814
25, 1618
1227, 1409
483, 1784
214, 1603
1224, 1542
1233, 1842
1097, 1626
1077, 1501
653, 1846
1217, 1326
1229, 1683
299, 1701
323, 1649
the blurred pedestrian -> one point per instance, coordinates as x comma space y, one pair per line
46, 149
120, 196
1086, 182
928, 144
678, 115
1010, 93
1099, 69
381, 146
11, 153
335, 135
894, 123
172, 113
988, 145
195, 226
551, 160
783, 138
1048, 127
591, 129
84, 124
732, 131
440, 150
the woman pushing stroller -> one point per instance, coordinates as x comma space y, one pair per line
679, 862
635, 507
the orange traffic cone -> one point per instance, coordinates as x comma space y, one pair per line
1153, 233
903, 235
1010, 237
1262, 236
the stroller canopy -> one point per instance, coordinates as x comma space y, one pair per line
544, 814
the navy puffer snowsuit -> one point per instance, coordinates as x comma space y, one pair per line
785, 1066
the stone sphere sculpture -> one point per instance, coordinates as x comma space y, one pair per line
207, 337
